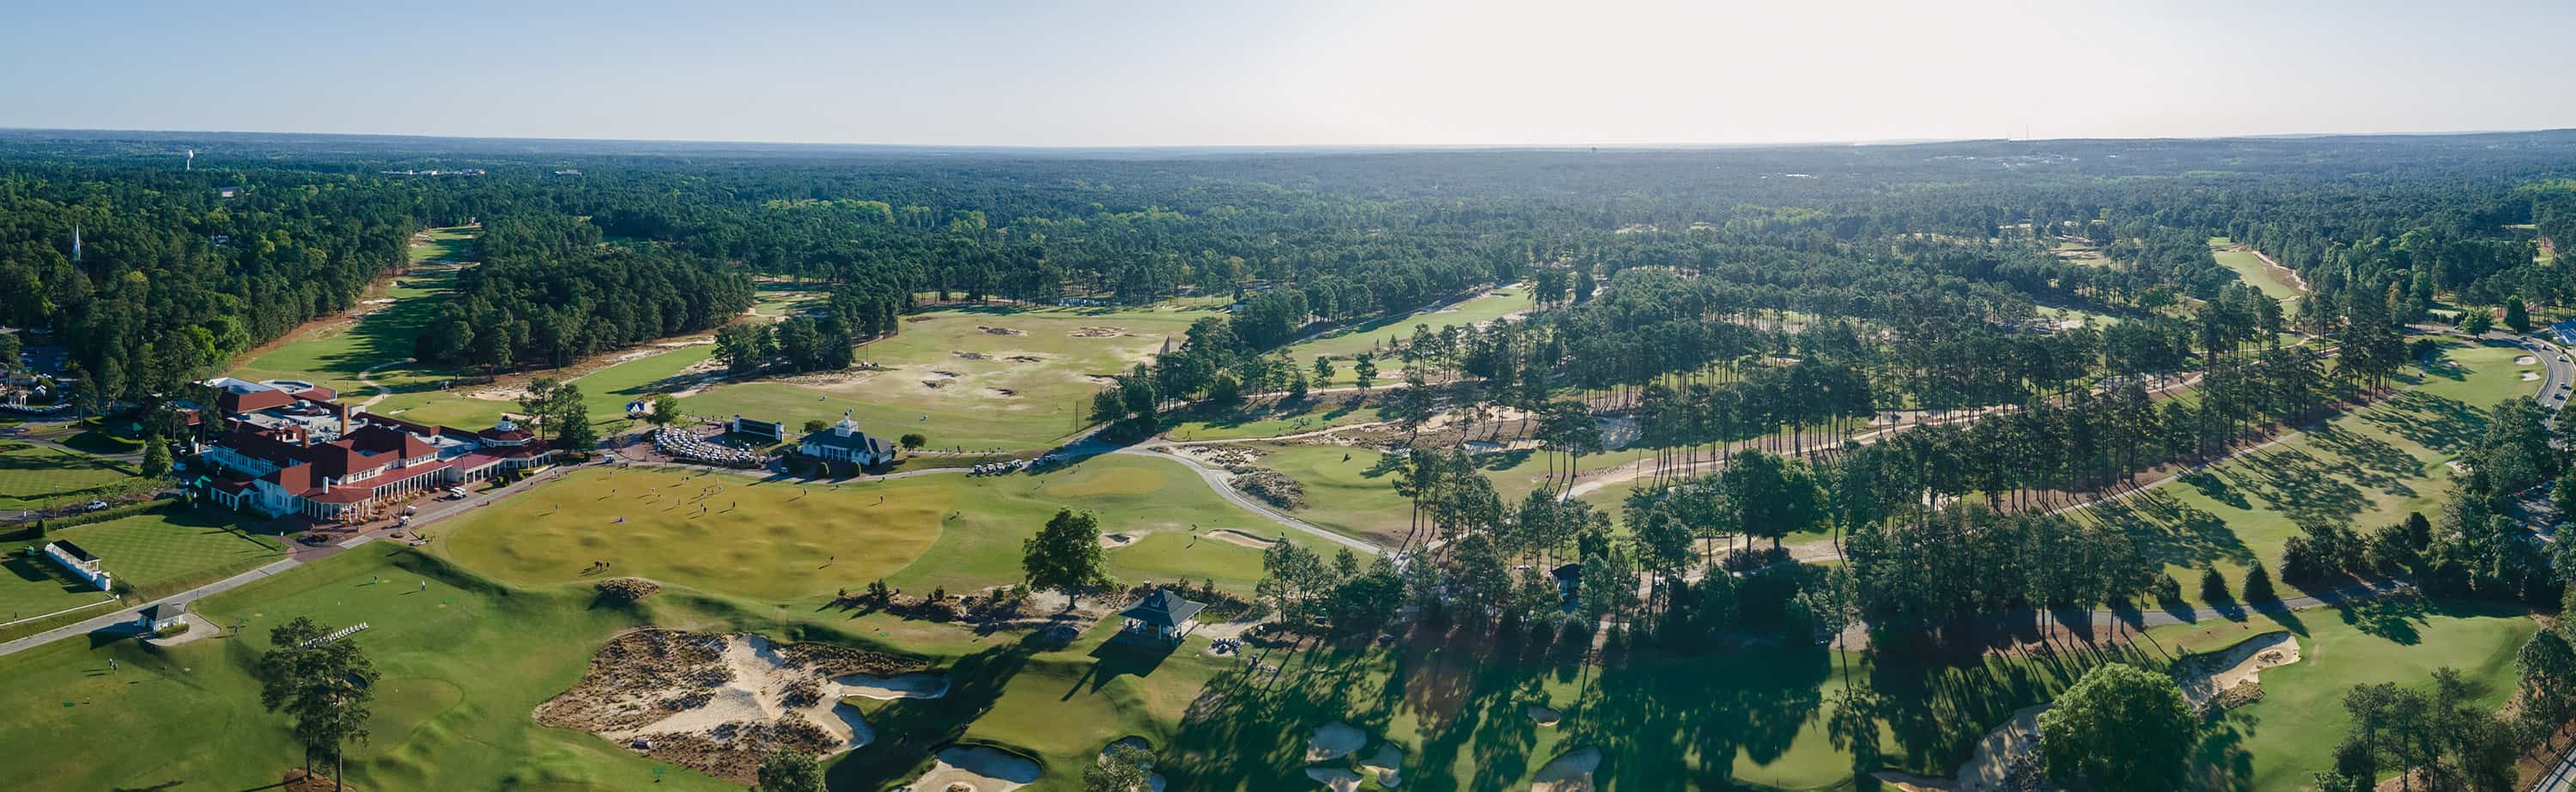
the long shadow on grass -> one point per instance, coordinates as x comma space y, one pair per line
909, 730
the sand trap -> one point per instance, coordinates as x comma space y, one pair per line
977, 768
1233, 536
1569, 773
1122, 539
1335, 778
1387, 763
1098, 332
2525, 360
718, 703
2528, 376
1991, 767
2209, 676
901, 686
1335, 740
1542, 715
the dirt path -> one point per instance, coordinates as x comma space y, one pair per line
367, 377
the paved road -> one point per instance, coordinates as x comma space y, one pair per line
128, 617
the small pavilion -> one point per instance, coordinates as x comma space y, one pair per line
1162, 616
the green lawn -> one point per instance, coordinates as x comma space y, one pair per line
2281, 742
164, 553
2364, 469
978, 378
39, 477
786, 541
2250, 268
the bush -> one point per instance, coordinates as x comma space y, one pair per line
2213, 586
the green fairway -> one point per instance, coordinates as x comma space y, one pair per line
788, 541
1356, 496
605, 393
978, 378
1273, 419
2282, 741
1344, 343
2250, 268
2364, 469
333, 352
40, 477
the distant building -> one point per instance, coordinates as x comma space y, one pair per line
1161, 615
80, 563
228, 192
843, 442
772, 431
568, 172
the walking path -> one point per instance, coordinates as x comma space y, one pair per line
367, 377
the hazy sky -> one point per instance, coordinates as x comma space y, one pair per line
1148, 72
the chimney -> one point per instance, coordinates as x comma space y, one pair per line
344, 419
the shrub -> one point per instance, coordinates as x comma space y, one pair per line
2213, 586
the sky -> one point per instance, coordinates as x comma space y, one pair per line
1290, 72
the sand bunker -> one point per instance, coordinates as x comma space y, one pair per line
1001, 330
1992, 766
1335, 740
1542, 715
1232, 536
718, 703
971, 355
2207, 678
1122, 539
1025, 359
1569, 773
2525, 360
1335, 778
1098, 332
1387, 763
921, 685
2528, 376
977, 768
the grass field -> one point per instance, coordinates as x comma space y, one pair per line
40, 477
2364, 469
980, 378
2282, 741
781, 541
2250, 268
463, 664
154, 554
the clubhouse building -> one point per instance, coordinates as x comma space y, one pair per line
297, 452
843, 442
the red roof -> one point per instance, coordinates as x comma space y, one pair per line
254, 401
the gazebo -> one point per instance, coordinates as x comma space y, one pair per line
1161, 615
